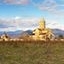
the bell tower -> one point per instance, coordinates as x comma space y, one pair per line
42, 24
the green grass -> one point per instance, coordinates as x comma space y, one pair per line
32, 52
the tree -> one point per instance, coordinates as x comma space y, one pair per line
60, 36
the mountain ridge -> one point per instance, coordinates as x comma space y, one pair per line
29, 32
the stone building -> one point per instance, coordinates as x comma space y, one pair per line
4, 37
42, 33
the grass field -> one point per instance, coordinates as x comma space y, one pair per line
32, 52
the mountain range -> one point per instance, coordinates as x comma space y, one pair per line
18, 33
58, 32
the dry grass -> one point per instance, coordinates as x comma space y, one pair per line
32, 52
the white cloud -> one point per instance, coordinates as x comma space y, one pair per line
22, 2
52, 6
20, 23
54, 24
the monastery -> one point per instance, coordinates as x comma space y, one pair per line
42, 33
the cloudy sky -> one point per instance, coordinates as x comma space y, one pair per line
25, 14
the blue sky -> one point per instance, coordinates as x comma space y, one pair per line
25, 14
